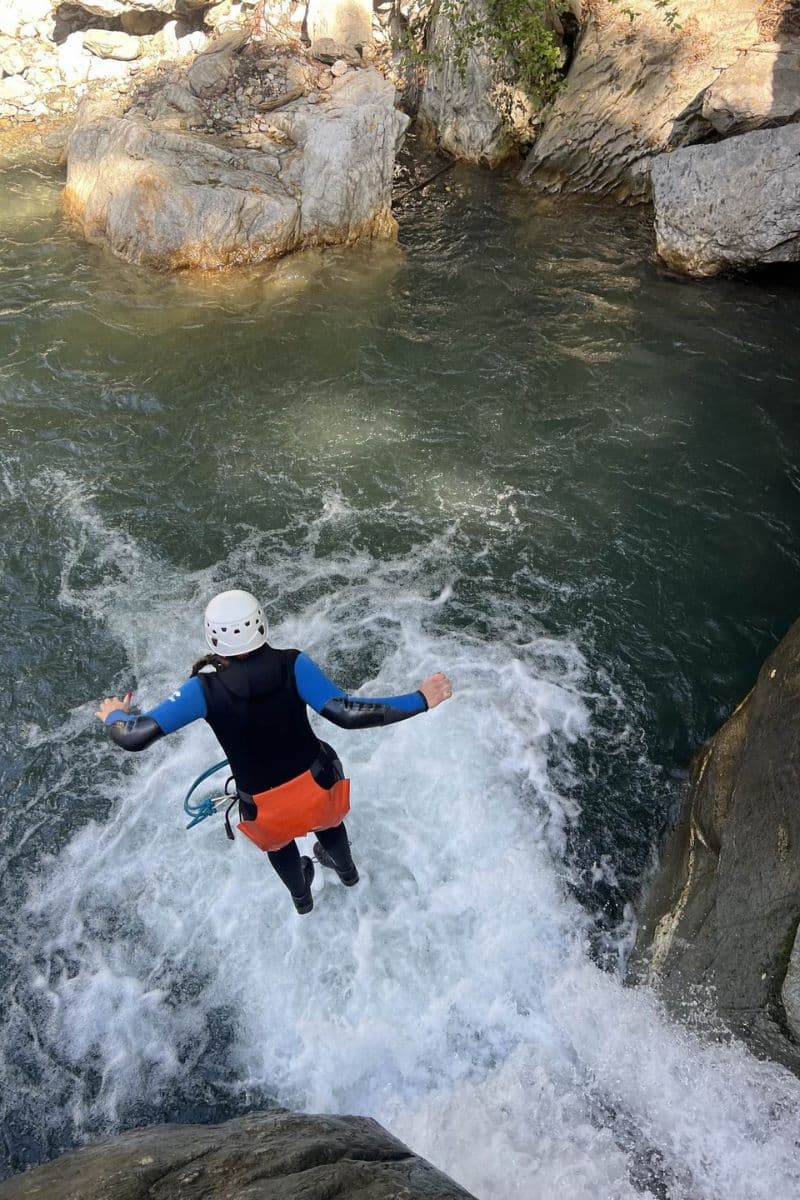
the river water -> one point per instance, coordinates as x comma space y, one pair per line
512, 448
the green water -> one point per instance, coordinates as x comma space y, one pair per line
514, 432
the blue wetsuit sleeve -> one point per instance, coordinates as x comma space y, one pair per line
136, 732
351, 712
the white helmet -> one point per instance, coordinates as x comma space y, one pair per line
235, 624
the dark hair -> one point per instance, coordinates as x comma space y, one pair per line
210, 660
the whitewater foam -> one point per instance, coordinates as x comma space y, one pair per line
450, 995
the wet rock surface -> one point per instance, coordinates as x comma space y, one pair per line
263, 1156
718, 928
731, 206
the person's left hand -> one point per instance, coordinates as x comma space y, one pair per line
113, 704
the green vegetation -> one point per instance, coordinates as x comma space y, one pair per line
517, 28
521, 30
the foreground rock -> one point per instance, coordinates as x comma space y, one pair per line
720, 924
634, 90
235, 161
734, 205
264, 1156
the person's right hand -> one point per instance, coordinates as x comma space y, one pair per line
435, 689
113, 704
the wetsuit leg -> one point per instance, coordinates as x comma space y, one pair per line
286, 862
336, 842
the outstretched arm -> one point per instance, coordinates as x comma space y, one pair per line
363, 712
137, 732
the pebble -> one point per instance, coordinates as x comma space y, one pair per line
339, 68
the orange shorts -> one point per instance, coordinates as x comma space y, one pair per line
294, 809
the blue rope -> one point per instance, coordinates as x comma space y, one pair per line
205, 808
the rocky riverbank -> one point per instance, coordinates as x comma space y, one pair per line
264, 1156
718, 928
697, 113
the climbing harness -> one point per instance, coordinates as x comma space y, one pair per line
290, 810
209, 805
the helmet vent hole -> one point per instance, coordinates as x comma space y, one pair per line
237, 631
247, 624
261, 629
214, 640
224, 628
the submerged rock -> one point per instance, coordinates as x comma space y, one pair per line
733, 205
189, 179
264, 1156
719, 926
634, 90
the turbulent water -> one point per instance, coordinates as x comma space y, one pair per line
513, 449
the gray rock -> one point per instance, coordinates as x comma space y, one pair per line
326, 50
263, 1156
349, 149
790, 992
347, 21
211, 70
635, 90
111, 43
761, 89
479, 115
19, 17
733, 205
718, 925
176, 200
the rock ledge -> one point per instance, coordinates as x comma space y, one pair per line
277, 1155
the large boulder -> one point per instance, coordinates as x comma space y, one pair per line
635, 89
472, 106
762, 88
346, 21
157, 188
263, 1156
112, 43
719, 925
733, 205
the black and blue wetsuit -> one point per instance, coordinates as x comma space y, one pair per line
257, 707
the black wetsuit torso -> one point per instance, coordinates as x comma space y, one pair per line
260, 720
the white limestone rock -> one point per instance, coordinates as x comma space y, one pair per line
345, 21
635, 90
12, 61
733, 205
110, 43
74, 60
174, 199
478, 115
761, 89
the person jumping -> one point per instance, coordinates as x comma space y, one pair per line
255, 697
